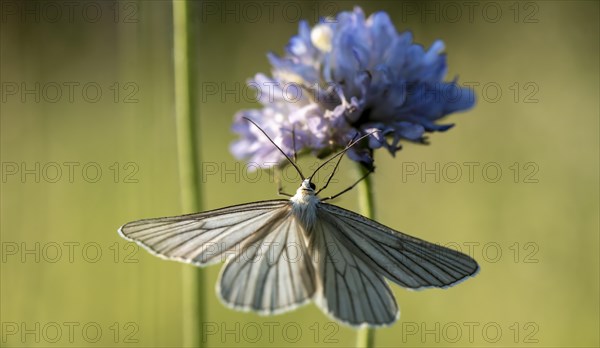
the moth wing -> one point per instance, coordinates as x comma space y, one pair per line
203, 238
351, 291
408, 261
273, 273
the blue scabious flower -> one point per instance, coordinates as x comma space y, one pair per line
344, 78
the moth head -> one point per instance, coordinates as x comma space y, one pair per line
308, 185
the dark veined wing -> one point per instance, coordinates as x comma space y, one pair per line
408, 261
203, 238
273, 272
351, 291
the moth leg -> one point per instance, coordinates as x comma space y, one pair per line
294, 143
279, 187
335, 168
371, 170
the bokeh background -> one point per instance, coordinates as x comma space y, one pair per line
88, 143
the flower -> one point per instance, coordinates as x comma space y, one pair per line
345, 78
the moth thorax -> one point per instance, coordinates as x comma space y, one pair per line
304, 207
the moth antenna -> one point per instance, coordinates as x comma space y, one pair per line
350, 187
348, 147
334, 168
278, 148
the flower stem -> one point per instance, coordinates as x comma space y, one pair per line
365, 338
185, 80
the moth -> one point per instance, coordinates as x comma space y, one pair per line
281, 254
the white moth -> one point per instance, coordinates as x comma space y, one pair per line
280, 254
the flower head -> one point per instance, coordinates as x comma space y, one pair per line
345, 78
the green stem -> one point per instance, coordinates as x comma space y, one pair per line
185, 80
365, 338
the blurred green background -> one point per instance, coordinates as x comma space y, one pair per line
87, 136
